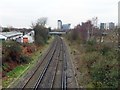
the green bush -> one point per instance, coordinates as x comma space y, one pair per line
91, 42
105, 72
4, 66
91, 46
91, 58
11, 50
104, 50
102, 64
24, 59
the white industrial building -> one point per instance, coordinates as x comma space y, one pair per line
18, 36
28, 38
2, 37
10, 35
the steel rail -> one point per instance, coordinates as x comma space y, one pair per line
36, 86
52, 46
56, 50
53, 81
64, 68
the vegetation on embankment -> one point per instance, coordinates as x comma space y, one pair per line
12, 69
17, 58
96, 63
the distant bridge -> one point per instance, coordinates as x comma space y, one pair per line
57, 33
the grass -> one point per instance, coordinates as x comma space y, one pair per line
12, 75
15, 72
21, 70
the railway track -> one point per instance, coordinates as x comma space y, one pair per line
52, 70
47, 77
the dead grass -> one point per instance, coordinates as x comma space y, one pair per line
77, 51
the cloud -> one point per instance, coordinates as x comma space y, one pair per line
69, 11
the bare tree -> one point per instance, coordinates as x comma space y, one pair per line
42, 21
41, 32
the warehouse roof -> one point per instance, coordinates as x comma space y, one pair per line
10, 34
3, 37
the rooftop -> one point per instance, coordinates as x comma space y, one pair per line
9, 34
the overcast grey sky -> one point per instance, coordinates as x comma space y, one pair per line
20, 13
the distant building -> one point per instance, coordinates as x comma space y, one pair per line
2, 37
103, 26
28, 38
111, 26
119, 14
18, 36
66, 27
59, 25
11, 35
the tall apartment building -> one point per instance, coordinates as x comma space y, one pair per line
59, 24
66, 27
111, 26
103, 26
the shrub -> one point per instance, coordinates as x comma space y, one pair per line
105, 72
24, 59
91, 58
102, 64
91, 46
11, 50
104, 50
91, 42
